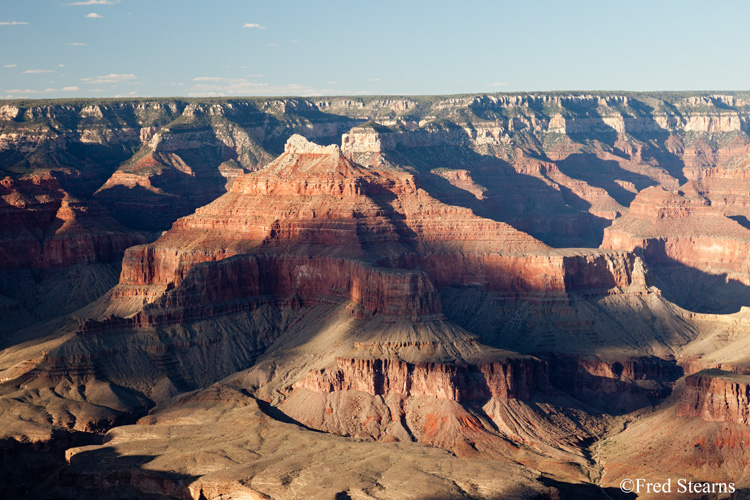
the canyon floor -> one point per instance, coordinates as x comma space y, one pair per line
542, 296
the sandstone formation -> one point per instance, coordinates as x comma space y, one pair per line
474, 410
716, 396
43, 227
585, 155
507, 379
696, 234
314, 202
486, 296
57, 252
683, 227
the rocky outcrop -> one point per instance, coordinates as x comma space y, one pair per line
314, 229
716, 396
240, 282
312, 201
181, 146
616, 386
172, 175
42, 226
474, 409
695, 240
615, 113
511, 378
682, 227
552, 272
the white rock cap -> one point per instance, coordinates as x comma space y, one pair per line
298, 144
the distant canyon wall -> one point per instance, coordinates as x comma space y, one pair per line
253, 129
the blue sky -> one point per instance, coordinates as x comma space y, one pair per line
104, 48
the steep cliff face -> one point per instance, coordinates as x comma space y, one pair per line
557, 114
57, 252
241, 283
43, 227
616, 386
532, 272
511, 378
312, 223
684, 227
439, 403
315, 230
584, 168
697, 234
475, 410
150, 162
716, 396
580, 157
172, 175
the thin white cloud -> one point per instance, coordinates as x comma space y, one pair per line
10, 66
374, 79
45, 91
77, 44
13, 23
253, 25
28, 91
333, 82
95, 2
37, 71
60, 65
499, 84
217, 79
93, 15
110, 78
256, 75
209, 86
272, 44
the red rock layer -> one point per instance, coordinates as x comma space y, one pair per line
174, 173
700, 158
684, 227
41, 226
623, 385
386, 291
716, 396
313, 202
510, 378
727, 188
555, 271
244, 282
